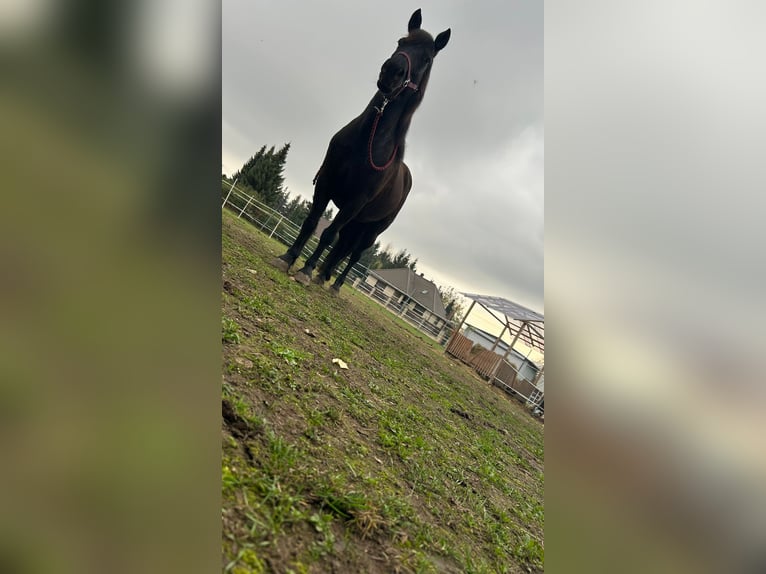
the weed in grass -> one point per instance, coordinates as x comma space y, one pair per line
282, 455
265, 370
291, 356
322, 523
475, 565
332, 414
396, 511
343, 505
246, 562
530, 550
315, 418
230, 478
229, 331
396, 432
277, 507
261, 305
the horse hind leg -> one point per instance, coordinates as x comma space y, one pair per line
318, 206
341, 279
339, 251
362, 243
325, 270
364, 238
327, 238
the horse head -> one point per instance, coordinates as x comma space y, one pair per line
410, 65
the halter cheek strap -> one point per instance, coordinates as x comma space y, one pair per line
408, 83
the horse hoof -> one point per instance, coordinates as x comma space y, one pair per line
335, 290
280, 264
318, 280
302, 278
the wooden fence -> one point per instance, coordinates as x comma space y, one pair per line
460, 347
485, 362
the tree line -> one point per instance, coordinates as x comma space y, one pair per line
262, 176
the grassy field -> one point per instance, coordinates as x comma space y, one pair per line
405, 461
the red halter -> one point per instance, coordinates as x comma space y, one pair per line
408, 83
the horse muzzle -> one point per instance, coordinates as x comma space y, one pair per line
388, 87
391, 78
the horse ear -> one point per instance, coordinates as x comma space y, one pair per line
442, 39
415, 21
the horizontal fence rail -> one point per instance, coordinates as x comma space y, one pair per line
409, 310
485, 362
278, 227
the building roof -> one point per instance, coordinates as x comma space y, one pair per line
528, 324
508, 308
415, 286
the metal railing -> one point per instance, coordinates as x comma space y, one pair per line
279, 227
276, 225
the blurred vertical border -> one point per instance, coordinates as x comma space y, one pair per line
655, 282
110, 284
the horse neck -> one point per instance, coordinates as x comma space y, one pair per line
392, 126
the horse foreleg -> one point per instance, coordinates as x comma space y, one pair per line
286, 260
325, 240
328, 237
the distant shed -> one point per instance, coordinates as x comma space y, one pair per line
521, 324
411, 296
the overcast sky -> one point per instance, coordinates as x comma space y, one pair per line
298, 71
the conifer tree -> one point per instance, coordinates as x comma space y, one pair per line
264, 172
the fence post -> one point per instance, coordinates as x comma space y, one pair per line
265, 223
228, 194
457, 329
509, 349
244, 208
273, 231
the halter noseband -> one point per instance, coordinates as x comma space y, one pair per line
408, 83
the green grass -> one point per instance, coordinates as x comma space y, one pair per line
365, 469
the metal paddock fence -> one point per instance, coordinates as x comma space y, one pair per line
277, 226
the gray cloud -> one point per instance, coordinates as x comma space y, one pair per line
297, 72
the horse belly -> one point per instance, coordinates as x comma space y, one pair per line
389, 200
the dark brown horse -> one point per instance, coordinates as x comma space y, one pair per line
363, 172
